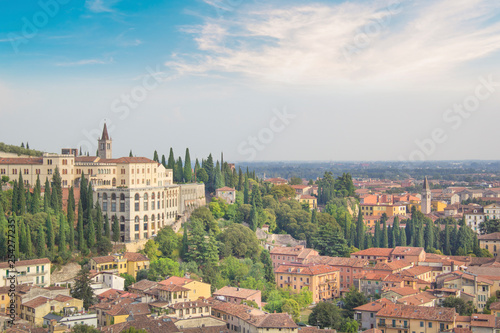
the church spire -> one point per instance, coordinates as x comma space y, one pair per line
105, 135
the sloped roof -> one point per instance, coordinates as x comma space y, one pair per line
235, 292
133, 256
417, 312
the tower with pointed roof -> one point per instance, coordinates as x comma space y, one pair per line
105, 145
426, 197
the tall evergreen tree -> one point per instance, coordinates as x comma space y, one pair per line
41, 243
257, 197
57, 187
218, 178
360, 231
21, 196
396, 232
254, 217
377, 236
35, 198
185, 245
385, 235
171, 160
241, 180
116, 229
429, 235
15, 198
265, 259
23, 240
83, 191
163, 161
178, 174
46, 197
129, 154
447, 241
16, 236
90, 232
188, 171
50, 235
107, 229
314, 217
29, 247
211, 252
246, 192
82, 288
82, 245
209, 168
62, 235
402, 241
98, 223
155, 157
420, 238
90, 203
196, 168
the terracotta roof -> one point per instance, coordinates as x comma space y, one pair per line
63, 298
418, 299
374, 251
133, 256
226, 188
162, 325
187, 305
417, 312
103, 259
492, 236
417, 270
143, 285
463, 319
273, 320
305, 196
241, 311
172, 287
21, 160
36, 302
235, 292
393, 265
373, 306
22, 263
305, 269
372, 330
208, 329
176, 280
495, 306
482, 320
337, 261
287, 250
403, 291
407, 251
86, 159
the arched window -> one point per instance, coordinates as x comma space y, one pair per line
104, 196
137, 202
122, 202
145, 218
122, 219
153, 218
145, 201
136, 219
153, 196
113, 202
122, 196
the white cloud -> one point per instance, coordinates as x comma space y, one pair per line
85, 62
100, 6
318, 43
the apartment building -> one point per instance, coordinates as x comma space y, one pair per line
284, 255
33, 272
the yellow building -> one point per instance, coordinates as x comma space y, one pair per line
310, 200
35, 309
4, 299
126, 263
378, 209
321, 280
196, 289
401, 318
490, 242
119, 312
438, 206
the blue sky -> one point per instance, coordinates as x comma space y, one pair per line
359, 80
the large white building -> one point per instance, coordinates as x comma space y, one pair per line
137, 191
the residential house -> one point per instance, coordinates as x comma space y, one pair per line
312, 202
185, 310
227, 194
322, 280
34, 272
34, 310
237, 295
196, 289
366, 313
490, 242
284, 255
473, 287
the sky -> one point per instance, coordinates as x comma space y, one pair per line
258, 80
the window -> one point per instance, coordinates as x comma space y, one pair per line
430, 324
136, 199
145, 201
421, 324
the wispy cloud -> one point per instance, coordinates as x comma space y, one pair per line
100, 6
352, 40
85, 62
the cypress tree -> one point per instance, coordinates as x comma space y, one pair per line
40, 243
99, 223
163, 161
90, 202
385, 235
16, 235
155, 157
188, 172
396, 232
57, 187
3, 232
116, 229
246, 194
429, 235
240, 180
15, 198
447, 243
178, 174
129, 154
53, 200
209, 168
90, 232
454, 236
29, 247
83, 191
171, 160
377, 235
254, 218
353, 237
314, 217
185, 245
35, 198
62, 235
389, 235
81, 238
23, 241
403, 239
28, 201
107, 229
21, 196
420, 238
360, 231
46, 196
50, 235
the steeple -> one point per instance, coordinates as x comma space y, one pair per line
426, 185
426, 203
105, 145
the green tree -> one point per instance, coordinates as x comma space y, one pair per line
36, 197
385, 235
463, 308
353, 299
41, 243
292, 308
179, 174
151, 250
201, 175
377, 235
81, 328
46, 196
246, 192
29, 246
265, 259
107, 229
396, 232
62, 236
129, 280
155, 157
171, 160
50, 235
116, 229
360, 231
188, 173
82, 288
239, 241
163, 267
82, 245
326, 315
21, 196
91, 238
184, 245
98, 223
167, 241
57, 187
